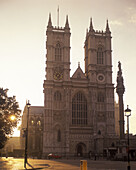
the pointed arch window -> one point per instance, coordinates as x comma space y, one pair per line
58, 52
100, 55
79, 109
57, 96
31, 122
38, 123
59, 136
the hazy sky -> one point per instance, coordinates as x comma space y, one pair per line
23, 35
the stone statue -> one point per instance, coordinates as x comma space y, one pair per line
120, 81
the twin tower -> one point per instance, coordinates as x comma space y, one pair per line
78, 110
97, 52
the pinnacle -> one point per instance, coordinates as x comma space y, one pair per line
49, 22
107, 27
91, 25
67, 23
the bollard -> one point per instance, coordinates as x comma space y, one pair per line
83, 164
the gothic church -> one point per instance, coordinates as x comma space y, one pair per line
79, 110
78, 115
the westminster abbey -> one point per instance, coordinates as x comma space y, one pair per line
78, 117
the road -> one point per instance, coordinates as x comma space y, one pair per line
62, 164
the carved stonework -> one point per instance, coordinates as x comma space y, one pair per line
57, 117
101, 116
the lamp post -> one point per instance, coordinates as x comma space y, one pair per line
26, 135
127, 114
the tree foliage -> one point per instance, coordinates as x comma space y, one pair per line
8, 107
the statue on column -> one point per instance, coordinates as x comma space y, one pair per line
120, 82
120, 89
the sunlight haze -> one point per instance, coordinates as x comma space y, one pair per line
23, 35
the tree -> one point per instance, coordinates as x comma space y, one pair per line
8, 107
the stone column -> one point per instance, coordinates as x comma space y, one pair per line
120, 89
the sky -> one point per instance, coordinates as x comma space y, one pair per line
23, 35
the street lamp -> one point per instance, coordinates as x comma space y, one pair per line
26, 134
127, 114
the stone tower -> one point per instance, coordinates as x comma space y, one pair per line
98, 70
55, 85
58, 52
120, 89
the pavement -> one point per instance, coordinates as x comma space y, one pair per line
62, 164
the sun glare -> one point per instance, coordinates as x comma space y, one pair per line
12, 117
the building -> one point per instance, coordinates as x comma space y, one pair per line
35, 136
78, 117
12, 148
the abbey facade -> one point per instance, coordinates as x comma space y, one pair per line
78, 117
79, 110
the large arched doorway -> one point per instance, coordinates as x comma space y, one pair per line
80, 149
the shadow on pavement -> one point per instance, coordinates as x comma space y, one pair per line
32, 166
45, 166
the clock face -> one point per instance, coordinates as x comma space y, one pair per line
58, 75
100, 77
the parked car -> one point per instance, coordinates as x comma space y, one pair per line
53, 156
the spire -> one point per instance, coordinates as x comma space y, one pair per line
107, 27
58, 16
91, 25
49, 22
67, 23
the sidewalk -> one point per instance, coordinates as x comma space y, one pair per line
63, 164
